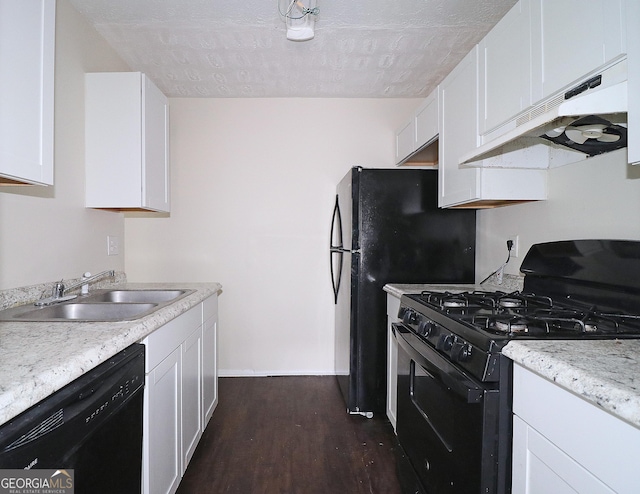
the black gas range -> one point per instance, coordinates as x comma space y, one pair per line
454, 385
471, 327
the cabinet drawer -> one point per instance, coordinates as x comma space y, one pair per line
166, 339
210, 308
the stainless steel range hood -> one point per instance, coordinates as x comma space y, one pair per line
589, 119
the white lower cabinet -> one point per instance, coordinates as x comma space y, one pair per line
181, 375
393, 306
564, 444
162, 468
191, 395
209, 358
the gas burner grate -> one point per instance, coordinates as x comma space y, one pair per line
494, 300
557, 322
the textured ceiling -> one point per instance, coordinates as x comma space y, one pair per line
238, 48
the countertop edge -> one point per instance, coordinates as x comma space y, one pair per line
510, 283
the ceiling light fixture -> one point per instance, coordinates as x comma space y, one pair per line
300, 19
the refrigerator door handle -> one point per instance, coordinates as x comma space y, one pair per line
336, 225
335, 278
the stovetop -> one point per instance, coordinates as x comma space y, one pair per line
471, 328
580, 289
526, 315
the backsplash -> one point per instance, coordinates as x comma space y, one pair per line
510, 283
27, 294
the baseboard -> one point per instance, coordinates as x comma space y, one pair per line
275, 373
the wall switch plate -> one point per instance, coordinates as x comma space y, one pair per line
113, 245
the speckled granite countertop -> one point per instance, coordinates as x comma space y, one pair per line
38, 358
510, 283
605, 373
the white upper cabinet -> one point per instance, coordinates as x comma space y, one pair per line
127, 142
458, 132
460, 186
27, 52
538, 52
427, 121
415, 140
571, 39
405, 140
505, 69
633, 81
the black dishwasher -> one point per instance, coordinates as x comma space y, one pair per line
93, 426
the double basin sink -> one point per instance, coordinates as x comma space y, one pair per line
100, 305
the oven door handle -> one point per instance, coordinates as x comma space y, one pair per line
437, 365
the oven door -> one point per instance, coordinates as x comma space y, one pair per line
447, 423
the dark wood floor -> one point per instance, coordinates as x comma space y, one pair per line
291, 435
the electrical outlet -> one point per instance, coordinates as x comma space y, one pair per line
516, 241
113, 245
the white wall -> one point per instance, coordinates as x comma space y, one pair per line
596, 198
45, 232
253, 186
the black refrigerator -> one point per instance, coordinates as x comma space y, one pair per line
387, 228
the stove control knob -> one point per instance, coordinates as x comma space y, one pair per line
427, 328
445, 342
409, 317
461, 351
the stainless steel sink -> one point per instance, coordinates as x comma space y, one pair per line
135, 296
85, 312
100, 305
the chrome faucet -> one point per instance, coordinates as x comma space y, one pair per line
59, 289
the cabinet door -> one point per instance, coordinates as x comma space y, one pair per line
162, 469
27, 52
458, 132
595, 454
113, 140
540, 467
633, 61
191, 395
426, 121
155, 171
573, 38
126, 142
393, 305
405, 141
505, 69
209, 358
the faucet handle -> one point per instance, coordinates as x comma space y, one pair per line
58, 290
85, 288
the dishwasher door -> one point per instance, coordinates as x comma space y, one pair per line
93, 426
